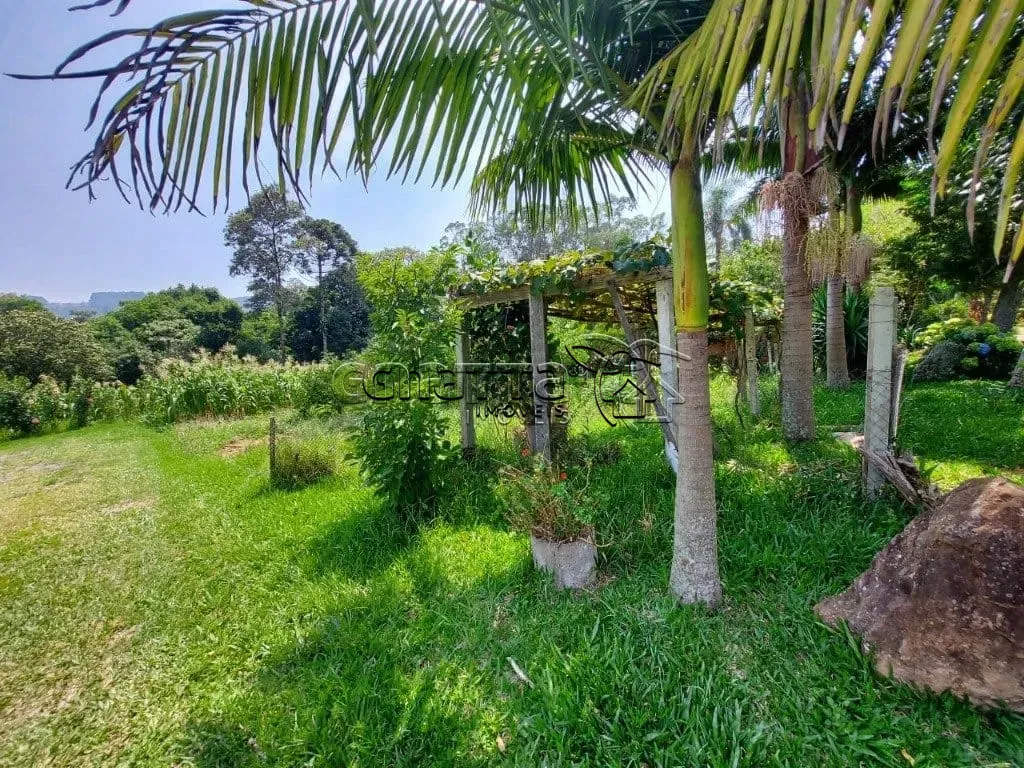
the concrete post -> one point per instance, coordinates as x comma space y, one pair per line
750, 351
667, 342
878, 402
467, 428
539, 358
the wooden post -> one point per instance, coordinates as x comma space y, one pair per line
272, 442
750, 350
878, 401
539, 358
648, 381
667, 341
467, 428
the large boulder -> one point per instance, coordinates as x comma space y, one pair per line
941, 363
942, 606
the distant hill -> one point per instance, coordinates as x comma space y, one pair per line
100, 302
104, 302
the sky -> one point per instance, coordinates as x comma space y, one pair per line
57, 244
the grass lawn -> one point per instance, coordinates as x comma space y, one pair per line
159, 605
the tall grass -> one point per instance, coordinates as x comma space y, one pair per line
177, 391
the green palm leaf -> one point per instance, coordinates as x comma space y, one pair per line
817, 40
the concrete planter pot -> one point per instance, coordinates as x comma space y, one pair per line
572, 563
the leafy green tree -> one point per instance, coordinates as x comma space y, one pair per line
755, 262
12, 301
170, 338
259, 335
217, 319
128, 357
344, 326
34, 343
264, 237
604, 229
323, 245
942, 248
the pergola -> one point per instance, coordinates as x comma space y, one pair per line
599, 288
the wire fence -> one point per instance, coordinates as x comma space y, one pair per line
302, 452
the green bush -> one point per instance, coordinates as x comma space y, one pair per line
300, 463
855, 314
985, 351
315, 394
35, 343
404, 454
401, 444
942, 363
540, 502
15, 407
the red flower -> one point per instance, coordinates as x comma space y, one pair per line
563, 476
525, 452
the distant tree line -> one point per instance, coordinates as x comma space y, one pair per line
305, 303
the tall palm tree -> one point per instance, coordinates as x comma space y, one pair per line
816, 39
810, 74
726, 216
535, 101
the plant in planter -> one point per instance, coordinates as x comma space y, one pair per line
541, 502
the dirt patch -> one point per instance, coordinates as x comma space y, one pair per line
127, 506
239, 445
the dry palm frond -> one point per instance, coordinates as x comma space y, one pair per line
827, 249
861, 252
823, 187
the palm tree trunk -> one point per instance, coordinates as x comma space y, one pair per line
694, 577
797, 358
1010, 296
855, 225
838, 373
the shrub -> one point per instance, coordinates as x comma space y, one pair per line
404, 454
985, 351
540, 502
47, 402
34, 343
315, 394
300, 463
855, 314
80, 403
401, 444
15, 409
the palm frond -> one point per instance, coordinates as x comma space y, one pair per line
205, 92
565, 169
815, 39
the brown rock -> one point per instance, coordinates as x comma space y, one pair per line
942, 606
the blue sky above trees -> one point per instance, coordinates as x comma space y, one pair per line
57, 244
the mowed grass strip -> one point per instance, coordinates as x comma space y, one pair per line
160, 605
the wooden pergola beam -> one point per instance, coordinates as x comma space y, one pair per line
596, 284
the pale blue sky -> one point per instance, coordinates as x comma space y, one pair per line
57, 244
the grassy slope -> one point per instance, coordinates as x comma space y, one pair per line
159, 606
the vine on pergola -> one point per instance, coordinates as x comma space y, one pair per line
573, 282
